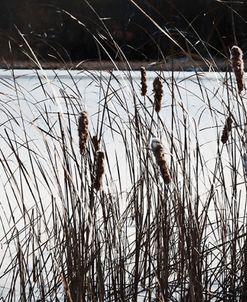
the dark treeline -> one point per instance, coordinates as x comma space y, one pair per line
78, 30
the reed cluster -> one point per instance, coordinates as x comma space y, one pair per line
106, 226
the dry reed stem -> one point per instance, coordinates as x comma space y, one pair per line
238, 67
158, 151
143, 81
158, 93
227, 129
83, 131
99, 170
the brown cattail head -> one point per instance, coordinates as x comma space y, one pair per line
143, 81
158, 93
96, 143
83, 131
158, 151
99, 171
227, 129
238, 67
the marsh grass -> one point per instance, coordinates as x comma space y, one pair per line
139, 237
98, 220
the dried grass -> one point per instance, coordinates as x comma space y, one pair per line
138, 238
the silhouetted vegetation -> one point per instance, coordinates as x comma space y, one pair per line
117, 186
79, 30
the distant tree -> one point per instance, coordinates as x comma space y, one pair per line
72, 30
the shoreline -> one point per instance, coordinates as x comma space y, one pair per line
180, 64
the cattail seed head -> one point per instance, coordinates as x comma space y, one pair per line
226, 130
158, 151
143, 81
245, 162
83, 131
99, 171
158, 93
238, 67
95, 142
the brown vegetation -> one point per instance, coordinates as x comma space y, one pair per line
227, 130
83, 131
238, 66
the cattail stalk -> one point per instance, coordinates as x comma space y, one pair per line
143, 81
99, 171
83, 131
226, 130
238, 67
158, 151
158, 93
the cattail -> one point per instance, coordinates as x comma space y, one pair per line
83, 132
95, 142
143, 81
158, 93
158, 151
245, 162
226, 130
99, 171
238, 67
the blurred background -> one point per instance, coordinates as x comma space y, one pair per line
75, 30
